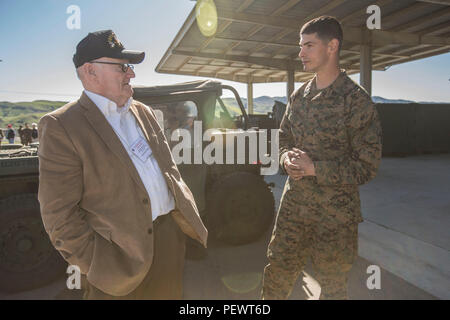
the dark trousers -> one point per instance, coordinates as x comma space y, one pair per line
164, 280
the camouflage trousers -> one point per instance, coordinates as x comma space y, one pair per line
304, 232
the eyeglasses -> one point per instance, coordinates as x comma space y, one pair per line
124, 66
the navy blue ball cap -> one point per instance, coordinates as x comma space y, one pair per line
104, 43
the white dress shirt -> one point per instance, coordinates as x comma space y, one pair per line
128, 131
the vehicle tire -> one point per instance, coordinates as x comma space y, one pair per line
27, 257
240, 208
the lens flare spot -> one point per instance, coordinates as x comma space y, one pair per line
242, 282
206, 15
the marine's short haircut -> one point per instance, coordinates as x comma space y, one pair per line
326, 27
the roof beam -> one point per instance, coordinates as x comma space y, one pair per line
419, 55
256, 28
355, 66
440, 27
403, 12
276, 37
235, 77
279, 51
408, 50
325, 9
285, 7
244, 5
251, 72
402, 54
230, 66
291, 45
443, 2
218, 71
266, 43
375, 54
259, 19
416, 22
379, 37
276, 76
250, 33
280, 64
271, 63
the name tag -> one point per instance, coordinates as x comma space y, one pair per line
141, 149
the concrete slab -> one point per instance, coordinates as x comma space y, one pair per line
416, 261
406, 209
411, 195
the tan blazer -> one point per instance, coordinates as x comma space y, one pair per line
94, 205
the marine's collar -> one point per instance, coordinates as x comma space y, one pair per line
336, 86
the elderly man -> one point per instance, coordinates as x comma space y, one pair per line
112, 199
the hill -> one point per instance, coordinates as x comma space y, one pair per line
18, 113
264, 104
261, 105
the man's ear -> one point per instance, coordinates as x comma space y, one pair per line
90, 69
333, 46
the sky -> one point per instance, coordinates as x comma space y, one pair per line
36, 49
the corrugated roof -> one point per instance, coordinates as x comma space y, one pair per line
257, 40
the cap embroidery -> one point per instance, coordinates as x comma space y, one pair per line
113, 41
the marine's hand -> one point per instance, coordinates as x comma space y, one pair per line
302, 160
295, 171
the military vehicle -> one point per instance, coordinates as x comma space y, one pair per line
234, 200
27, 258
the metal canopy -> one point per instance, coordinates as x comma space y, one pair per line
257, 40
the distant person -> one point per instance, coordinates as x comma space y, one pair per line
20, 131
27, 132
10, 134
1, 137
330, 143
186, 115
278, 110
111, 196
34, 132
171, 124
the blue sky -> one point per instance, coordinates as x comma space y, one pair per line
37, 48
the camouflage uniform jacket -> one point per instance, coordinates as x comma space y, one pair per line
338, 127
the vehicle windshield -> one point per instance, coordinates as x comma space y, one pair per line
227, 113
176, 115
